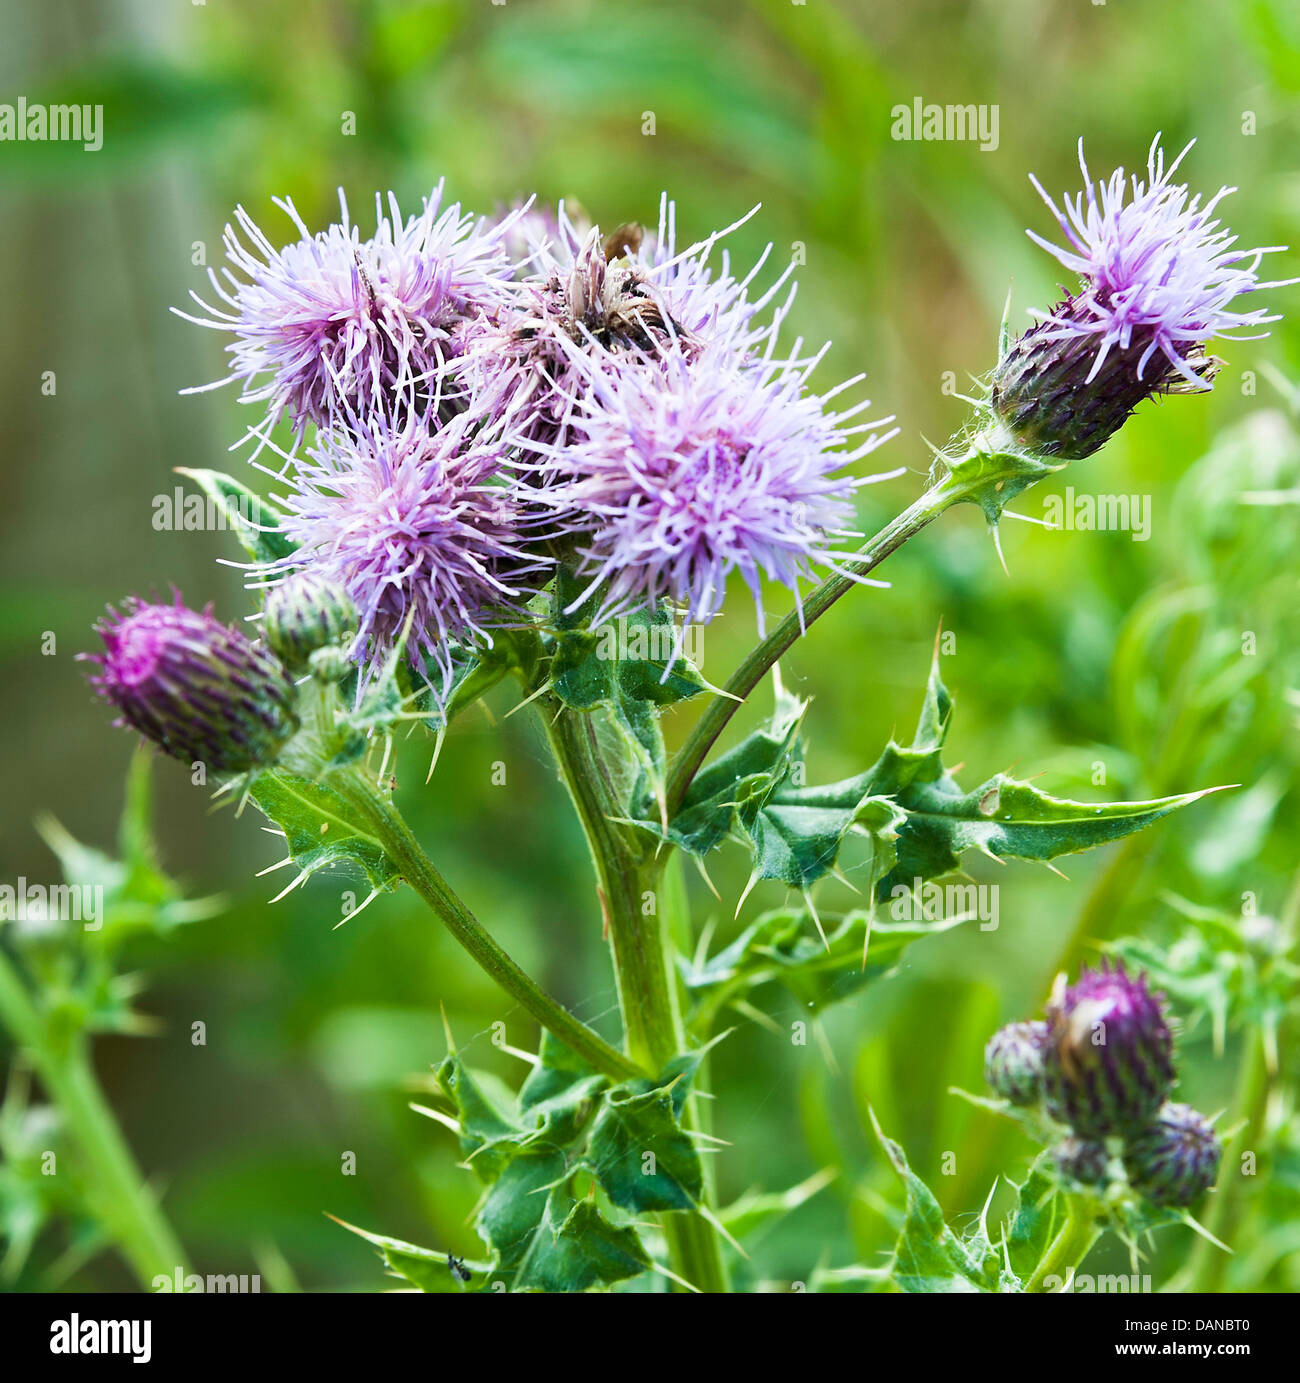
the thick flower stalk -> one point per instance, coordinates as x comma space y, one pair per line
1109, 1062
1159, 276
199, 689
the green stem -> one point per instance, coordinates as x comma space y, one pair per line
750, 673
1209, 1262
418, 870
1070, 1247
636, 902
120, 1199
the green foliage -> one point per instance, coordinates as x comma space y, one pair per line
779, 948
559, 1170
908, 806
930, 1256
321, 828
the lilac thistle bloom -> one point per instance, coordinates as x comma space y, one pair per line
198, 689
419, 527
1159, 275
632, 295
683, 468
334, 321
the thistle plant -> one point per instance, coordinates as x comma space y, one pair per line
504, 437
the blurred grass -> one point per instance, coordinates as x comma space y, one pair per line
1083, 654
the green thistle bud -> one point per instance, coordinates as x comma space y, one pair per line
1013, 1062
1083, 1160
1175, 1159
306, 613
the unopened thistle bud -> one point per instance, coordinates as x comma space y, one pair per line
1108, 1064
307, 612
1175, 1159
1048, 398
200, 690
1158, 274
1083, 1160
1013, 1062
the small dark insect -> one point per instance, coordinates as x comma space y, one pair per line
625, 240
456, 1266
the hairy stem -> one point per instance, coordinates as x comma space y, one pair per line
636, 902
419, 871
119, 1197
1070, 1247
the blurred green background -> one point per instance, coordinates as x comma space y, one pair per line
1095, 650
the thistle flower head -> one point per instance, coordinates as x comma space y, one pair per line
198, 689
682, 469
1159, 274
1175, 1158
1013, 1062
628, 293
1108, 1064
332, 321
418, 526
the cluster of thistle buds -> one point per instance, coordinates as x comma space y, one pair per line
204, 692
1102, 1064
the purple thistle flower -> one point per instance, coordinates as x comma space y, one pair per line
683, 468
1175, 1159
1159, 274
198, 689
334, 322
1108, 1064
419, 527
633, 296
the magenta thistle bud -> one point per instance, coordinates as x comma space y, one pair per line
1013, 1062
198, 689
305, 613
1175, 1159
1158, 276
1083, 1160
1108, 1064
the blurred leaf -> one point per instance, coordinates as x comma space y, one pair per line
255, 523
